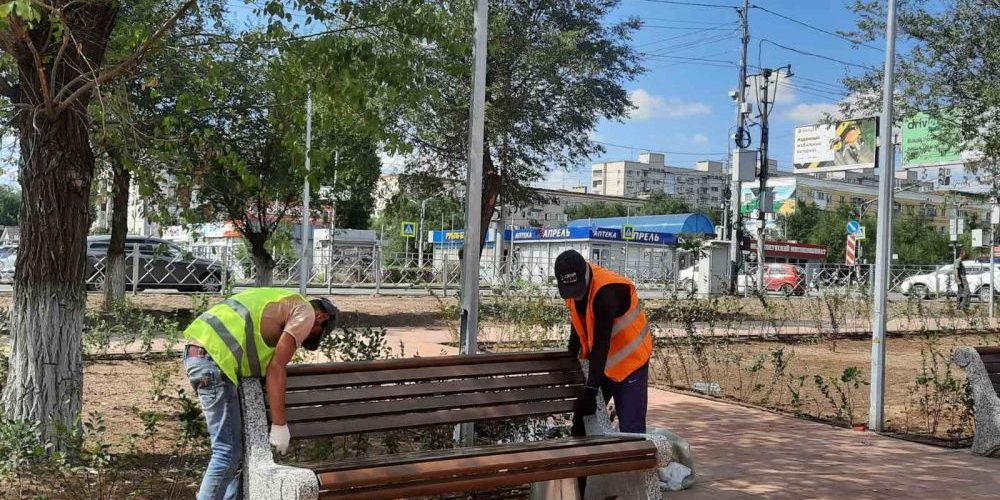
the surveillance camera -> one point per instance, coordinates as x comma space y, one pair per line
733, 95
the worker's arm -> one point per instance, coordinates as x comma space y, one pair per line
574, 341
277, 376
606, 307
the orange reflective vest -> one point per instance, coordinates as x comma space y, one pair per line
631, 342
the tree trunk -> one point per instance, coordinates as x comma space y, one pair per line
114, 266
492, 182
46, 365
263, 263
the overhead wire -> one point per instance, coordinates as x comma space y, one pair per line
815, 28
694, 4
654, 150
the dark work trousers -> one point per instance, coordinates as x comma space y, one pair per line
631, 397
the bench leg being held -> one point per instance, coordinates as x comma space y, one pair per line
264, 479
987, 407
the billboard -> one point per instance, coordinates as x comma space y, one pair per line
842, 145
783, 201
926, 143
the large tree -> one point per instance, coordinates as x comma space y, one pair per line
554, 69
56, 54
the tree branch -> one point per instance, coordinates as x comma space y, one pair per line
126, 65
42, 80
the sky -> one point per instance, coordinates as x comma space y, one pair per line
691, 54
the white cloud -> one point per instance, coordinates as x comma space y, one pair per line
812, 113
699, 139
649, 106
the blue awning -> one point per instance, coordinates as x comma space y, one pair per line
670, 224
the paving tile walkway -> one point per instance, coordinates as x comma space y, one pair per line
747, 453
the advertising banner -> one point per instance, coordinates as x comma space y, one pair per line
926, 143
783, 202
843, 145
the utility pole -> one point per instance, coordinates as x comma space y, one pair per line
763, 200
474, 197
304, 260
741, 138
886, 157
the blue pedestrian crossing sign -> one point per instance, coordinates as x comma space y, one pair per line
853, 227
628, 232
408, 230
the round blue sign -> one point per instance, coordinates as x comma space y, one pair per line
853, 227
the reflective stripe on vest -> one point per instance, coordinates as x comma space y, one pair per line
631, 340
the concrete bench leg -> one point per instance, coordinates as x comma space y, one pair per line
262, 478
987, 427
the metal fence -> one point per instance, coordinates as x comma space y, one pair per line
368, 269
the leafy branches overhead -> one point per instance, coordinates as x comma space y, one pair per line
952, 69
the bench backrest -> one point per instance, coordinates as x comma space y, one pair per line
332, 399
991, 358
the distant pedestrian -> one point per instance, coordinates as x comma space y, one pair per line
961, 279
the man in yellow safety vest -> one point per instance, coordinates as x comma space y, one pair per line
252, 334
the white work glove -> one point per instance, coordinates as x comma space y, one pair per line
280, 437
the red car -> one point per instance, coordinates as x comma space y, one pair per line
788, 279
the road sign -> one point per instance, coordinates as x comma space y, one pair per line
977, 237
853, 227
408, 230
956, 228
860, 234
628, 232
995, 215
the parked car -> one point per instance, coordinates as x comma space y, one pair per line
940, 283
161, 265
8, 257
787, 279
980, 286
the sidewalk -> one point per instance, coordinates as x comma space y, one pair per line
746, 453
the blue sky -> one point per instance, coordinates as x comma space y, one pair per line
683, 104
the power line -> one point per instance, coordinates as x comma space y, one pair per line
821, 30
685, 35
820, 56
694, 4
653, 150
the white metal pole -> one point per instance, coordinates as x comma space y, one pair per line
304, 260
473, 198
993, 268
883, 243
420, 251
474, 185
734, 195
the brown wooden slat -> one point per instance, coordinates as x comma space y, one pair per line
431, 373
432, 403
391, 422
395, 364
996, 387
992, 367
995, 377
990, 358
988, 350
493, 481
473, 451
333, 396
486, 464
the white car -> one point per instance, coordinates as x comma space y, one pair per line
8, 256
979, 284
940, 282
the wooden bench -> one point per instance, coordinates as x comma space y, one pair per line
337, 399
982, 364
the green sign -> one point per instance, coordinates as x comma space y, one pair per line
926, 143
628, 232
408, 229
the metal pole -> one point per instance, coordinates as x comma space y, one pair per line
882, 245
135, 271
333, 224
474, 186
420, 251
993, 268
734, 196
762, 195
304, 260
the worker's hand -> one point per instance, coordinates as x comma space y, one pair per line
280, 437
586, 405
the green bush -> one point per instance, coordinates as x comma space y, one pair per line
356, 344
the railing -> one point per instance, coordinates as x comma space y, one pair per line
212, 269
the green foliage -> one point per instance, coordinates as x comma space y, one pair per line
800, 224
126, 325
10, 205
441, 208
356, 344
556, 69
